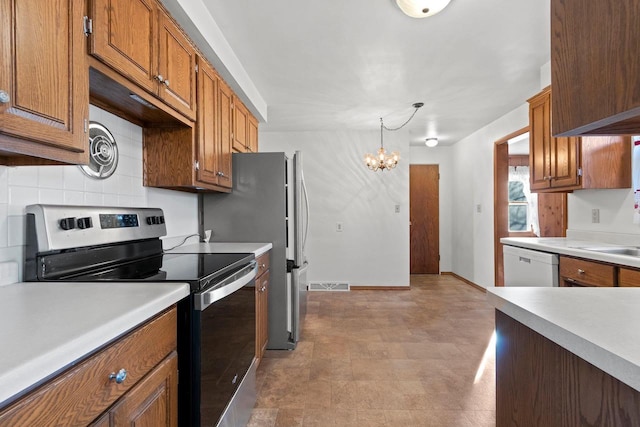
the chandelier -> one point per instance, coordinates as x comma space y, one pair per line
421, 8
382, 160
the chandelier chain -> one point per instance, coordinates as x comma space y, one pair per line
402, 125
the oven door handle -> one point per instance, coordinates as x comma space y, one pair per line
226, 287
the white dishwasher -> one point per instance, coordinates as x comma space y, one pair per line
525, 267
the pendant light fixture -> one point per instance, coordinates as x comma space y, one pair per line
421, 8
382, 160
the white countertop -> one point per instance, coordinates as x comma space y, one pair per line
600, 325
571, 247
224, 248
46, 326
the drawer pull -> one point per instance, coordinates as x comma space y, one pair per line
119, 377
262, 289
263, 265
580, 271
4, 97
235, 379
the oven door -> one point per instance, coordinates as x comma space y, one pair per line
224, 349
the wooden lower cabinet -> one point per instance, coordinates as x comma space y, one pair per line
87, 395
539, 383
628, 277
262, 305
581, 272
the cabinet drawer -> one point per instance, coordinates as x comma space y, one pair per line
81, 394
628, 277
263, 263
586, 272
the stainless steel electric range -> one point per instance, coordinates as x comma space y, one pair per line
216, 323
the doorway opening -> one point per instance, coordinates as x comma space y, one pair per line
517, 211
424, 219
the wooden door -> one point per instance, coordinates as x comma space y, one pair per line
153, 401
225, 99
124, 37
177, 67
207, 123
240, 117
43, 72
424, 196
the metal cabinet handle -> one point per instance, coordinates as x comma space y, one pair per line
262, 289
119, 377
220, 173
166, 82
263, 265
4, 97
580, 271
159, 78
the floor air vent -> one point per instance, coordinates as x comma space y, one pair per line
329, 286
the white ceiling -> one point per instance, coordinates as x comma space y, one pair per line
343, 64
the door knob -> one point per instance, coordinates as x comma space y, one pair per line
4, 97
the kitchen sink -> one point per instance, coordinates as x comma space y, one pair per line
616, 250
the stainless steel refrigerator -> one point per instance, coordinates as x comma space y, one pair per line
268, 204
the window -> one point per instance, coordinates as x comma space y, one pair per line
518, 207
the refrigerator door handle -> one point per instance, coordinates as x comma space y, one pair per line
306, 203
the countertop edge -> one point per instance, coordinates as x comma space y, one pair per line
563, 246
611, 363
257, 248
46, 366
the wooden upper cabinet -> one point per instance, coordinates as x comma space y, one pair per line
595, 73
571, 163
252, 134
139, 40
240, 123
553, 161
44, 83
213, 136
177, 68
124, 34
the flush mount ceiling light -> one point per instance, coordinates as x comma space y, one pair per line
431, 142
382, 160
421, 8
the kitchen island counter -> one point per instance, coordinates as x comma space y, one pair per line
598, 325
47, 327
224, 247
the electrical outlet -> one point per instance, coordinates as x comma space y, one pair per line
339, 227
479, 208
397, 208
595, 216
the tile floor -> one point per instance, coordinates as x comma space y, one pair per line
385, 358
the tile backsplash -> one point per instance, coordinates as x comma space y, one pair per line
24, 185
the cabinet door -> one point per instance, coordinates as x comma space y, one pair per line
225, 99
43, 73
124, 37
240, 118
153, 401
177, 66
207, 123
539, 141
262, 312
253, 134
564, 163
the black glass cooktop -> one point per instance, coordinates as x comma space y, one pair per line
190, 268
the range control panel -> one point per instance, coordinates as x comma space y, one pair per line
59, 227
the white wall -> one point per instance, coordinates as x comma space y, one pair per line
443, 157
373, 249
472, 242
25, 185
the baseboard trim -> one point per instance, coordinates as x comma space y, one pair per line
380, 288
462, 279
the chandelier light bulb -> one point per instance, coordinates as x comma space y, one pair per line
421, 8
